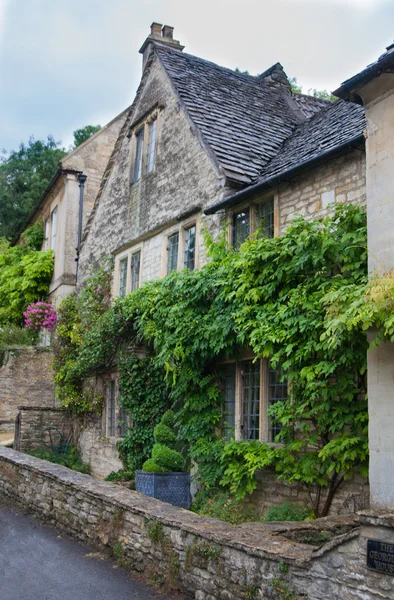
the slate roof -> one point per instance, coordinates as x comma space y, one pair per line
335, 125
243, 119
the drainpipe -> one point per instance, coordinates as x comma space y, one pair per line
81, 178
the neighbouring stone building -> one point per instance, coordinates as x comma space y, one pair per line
204, 146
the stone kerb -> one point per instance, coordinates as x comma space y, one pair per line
206, 558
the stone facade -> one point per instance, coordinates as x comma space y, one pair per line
207, 559
97, 449
183, 182
43, 427
25, 378
309, 195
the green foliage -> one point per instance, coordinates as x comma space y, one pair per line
164, 435
71, 459
25, 274
155, 531
288, 511
121, 475
151, 467
219, 504
12, 335
275, 296
168, 419
167, 459
296, 88
83, 134
24, 175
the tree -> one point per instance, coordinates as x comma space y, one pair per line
24, 175
296, 88
25, 275
83, 134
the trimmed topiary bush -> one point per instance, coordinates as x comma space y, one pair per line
164, 458
150, 466
164, 435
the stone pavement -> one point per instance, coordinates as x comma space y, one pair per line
36, 563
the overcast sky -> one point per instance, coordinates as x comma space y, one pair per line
66, 64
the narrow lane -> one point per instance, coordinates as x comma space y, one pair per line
38, 563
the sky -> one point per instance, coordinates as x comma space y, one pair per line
64, 65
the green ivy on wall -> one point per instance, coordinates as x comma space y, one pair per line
275, 296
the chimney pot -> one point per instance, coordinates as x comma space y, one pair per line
167, 32
155, 29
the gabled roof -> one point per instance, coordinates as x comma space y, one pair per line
243, 119
384, 64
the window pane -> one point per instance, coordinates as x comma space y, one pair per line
229, 400
122, 423
277, 391
46, 242
265, 217
251, 400
150, 155
190, 248
172, 252
139, 150
54, 228
241, 227
111, 409
135, 270
122, 277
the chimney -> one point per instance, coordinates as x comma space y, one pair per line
159, 34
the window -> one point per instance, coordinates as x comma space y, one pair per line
135, 270
241, 227
139, 152
150, 153
54, 228
123, 277
265, 217
250, 388
172, 252
122, 423
46, 241
111, 409
229, 400
189, 248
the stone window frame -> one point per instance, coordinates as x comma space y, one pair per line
54, 230
265, 433
126, 255
181, 230
145, 125
112, 382
252, 205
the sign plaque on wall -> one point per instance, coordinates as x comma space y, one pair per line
380, 556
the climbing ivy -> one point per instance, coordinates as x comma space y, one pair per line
274, 296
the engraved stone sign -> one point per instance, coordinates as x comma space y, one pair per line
380, 556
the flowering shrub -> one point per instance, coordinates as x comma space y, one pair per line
40, 315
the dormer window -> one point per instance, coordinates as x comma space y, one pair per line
139, 152
151, 150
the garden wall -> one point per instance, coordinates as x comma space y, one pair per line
208, 559
25, 378
39, 427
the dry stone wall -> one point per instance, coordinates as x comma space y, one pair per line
43, 427
25, 378
208, 559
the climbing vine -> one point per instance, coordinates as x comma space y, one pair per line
275, 296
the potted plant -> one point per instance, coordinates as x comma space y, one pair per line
163, 475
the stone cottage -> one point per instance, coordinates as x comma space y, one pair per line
203, 145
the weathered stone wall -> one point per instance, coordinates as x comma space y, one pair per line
184, 179
43, 427
25, 378
208, 559
339, 180
96, 448
353, 495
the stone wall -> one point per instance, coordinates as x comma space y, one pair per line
43, 427
339, 180
25, 378
208, 559
353, 495
96, 448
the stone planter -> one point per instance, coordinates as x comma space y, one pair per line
173, 488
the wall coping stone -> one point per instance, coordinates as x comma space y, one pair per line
44, 408
255, 539
375, 517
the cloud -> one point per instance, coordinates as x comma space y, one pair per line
363, 5
3, 10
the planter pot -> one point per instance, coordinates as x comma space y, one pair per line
173, 488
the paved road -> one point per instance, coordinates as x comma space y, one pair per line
37, 563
